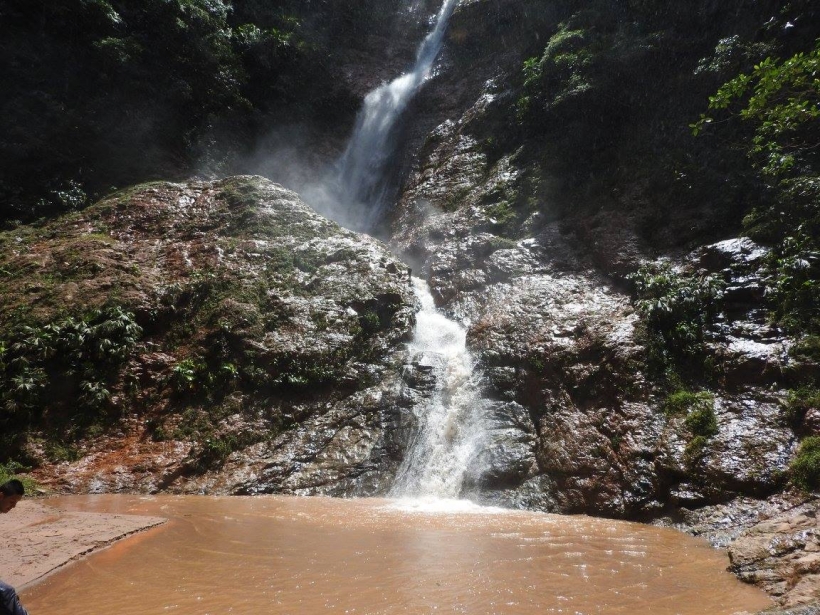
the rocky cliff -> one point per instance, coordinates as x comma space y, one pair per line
160, 335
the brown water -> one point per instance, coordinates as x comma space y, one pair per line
272, 555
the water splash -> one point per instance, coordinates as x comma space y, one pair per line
357, 192
451, 431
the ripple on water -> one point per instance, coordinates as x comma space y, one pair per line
266, 554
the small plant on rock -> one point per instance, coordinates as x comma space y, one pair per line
676, 309
683, 401
805, 468
798, 402
702, 421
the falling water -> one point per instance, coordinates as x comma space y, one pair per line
361, 178
450, 433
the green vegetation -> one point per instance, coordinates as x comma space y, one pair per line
676, 308
794, 290
806, 348
798, 402
187, 83
681, 402
780, 98
58, 377
82, 352
562, 72
600, 113
695, 449
805, 468
700, 420
780, 101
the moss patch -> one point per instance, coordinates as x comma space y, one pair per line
805, 468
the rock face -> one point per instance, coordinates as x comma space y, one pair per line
271, 357
549, 314
782, 555
270, 343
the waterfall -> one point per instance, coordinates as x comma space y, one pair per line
445, 448
359, 184
450, 431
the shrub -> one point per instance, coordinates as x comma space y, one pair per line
189, 375
779, 99
807, 348
702, 421
676, 308
11, 470
88, 350
805, 468
798, 402
794, 291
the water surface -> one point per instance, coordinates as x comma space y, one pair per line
272, 555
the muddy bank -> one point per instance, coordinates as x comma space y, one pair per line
40, 538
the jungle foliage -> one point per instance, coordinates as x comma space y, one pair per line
780, 100
677, 309
102, 93
75, 358
606, 100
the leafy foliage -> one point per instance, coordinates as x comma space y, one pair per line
683, 401
794, 290
186, 83
560, 73
701, 421
782, 100
73, 357
677, 309
600, 110
13, 469
798, 402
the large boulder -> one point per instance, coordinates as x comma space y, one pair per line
266, 341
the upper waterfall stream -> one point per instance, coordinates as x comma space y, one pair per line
449, 433
355, 194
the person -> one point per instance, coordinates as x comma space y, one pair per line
11, 492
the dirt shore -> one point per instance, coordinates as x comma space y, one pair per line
39, 538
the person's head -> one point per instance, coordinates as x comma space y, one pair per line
11, 492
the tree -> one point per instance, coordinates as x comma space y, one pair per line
781, 101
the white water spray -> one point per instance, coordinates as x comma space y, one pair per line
450, 431
355, 195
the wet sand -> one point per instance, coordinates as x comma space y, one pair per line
39, 538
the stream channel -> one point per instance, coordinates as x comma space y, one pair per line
425, 551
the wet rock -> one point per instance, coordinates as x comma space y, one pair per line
262, 321
340, 452
509, 454
740, 253
555, 332
782, 555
